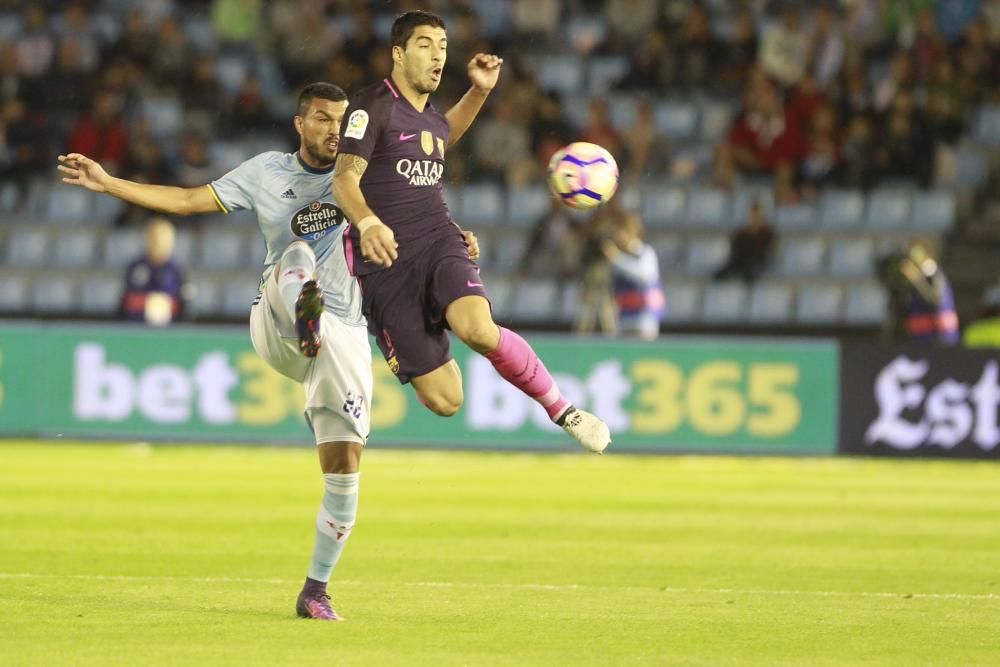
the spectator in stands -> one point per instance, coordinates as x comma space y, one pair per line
135, 43
502, 147
928, 43
904, 151
749, 248
945, 104
735, 58
78, 28
599, 129
764, 139
692, 48
195, 166
985, 330
921, 302
154, 284
647, 64
204, 100
36, 43
858, 170
548, 129
784, 53
597, 306
250, 112
554, 245
171, 55
645, 145
237, 23
827, 45
635, 280
538, 19
821, 165
899, 77
101, 133
23, 154
629, 20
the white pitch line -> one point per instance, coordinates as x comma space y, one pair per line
523, 586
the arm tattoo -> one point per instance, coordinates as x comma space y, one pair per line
347, 163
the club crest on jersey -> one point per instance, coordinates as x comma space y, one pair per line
316, 220
357, 124
427, 142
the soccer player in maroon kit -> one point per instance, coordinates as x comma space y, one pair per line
411, 259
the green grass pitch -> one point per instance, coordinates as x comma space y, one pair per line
127, 554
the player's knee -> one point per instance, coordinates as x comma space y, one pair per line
481, 336
443, 403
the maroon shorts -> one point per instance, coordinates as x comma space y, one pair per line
405, 305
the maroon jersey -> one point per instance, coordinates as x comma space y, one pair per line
402, 185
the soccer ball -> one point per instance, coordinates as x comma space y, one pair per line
583, 175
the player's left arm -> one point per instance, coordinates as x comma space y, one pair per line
484, 70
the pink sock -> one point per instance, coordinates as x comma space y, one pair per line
518, 364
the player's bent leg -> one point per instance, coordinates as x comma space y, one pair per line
299, 294
515, 360
441, 389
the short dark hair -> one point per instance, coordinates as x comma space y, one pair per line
407, 22
319, 90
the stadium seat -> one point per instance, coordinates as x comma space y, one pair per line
453, 198
499, 289
841, 209
796, 216
206, 299
802, 256
526, 205
934, 212
54, 294
186, 242
221, 247
107, 209
677, 120
231, 73
715, 120
663, 207
569, 303
15, 290
725, 302
770, 303
121, 246
240, 291
100, 293
709, 209
706, 254
623, 111
888, 209
536, 300
482, 204
852, 258
603, 72
77, 248
29, 246
866, 304
508, 250
745, 197
986, 127
165, 116
257, 254
971, 168
668, 247
562, 74
818, 304
69, 205
683, 301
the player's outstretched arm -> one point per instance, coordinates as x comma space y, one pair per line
378, 243
80, 170
484, 71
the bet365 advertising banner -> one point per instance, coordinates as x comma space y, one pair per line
196, 384
920, 401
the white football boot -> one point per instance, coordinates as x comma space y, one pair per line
592, 433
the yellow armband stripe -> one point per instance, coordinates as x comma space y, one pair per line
217, 200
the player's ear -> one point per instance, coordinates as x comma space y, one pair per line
397, 55
298, 124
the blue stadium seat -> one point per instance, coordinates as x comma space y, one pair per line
745, 197
499, 289
231, 72
165, 115
842, 209
709, 209
101, 293
569, 303
796, 216
77, 248
888, 209
563, 74
15, 290
603, 72
482, 204
819, 304
121, 246
986, 127
852, 258
725, 303
972, 167
240, 291
257, 254
537, 300
706, 254
107, 209
29, 246
221, 247
663, 207
866, 304
677, 120
683, 301
622, 111
69, 205
934, 211
715, 120
526, 205
508, 250
206, 301
803, 256
55, 294
453, 198
669, 248
770, 303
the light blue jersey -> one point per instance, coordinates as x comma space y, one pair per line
294, 201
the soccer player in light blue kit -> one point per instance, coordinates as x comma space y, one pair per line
316, 336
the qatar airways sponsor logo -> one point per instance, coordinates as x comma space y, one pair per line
420, 172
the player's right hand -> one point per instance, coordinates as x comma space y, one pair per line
378, 244
81, 170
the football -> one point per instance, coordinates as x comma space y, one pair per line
583, 175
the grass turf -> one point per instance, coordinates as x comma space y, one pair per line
118, 555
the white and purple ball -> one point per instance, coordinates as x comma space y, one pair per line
583, 175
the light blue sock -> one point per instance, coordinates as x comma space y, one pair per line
334, 523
